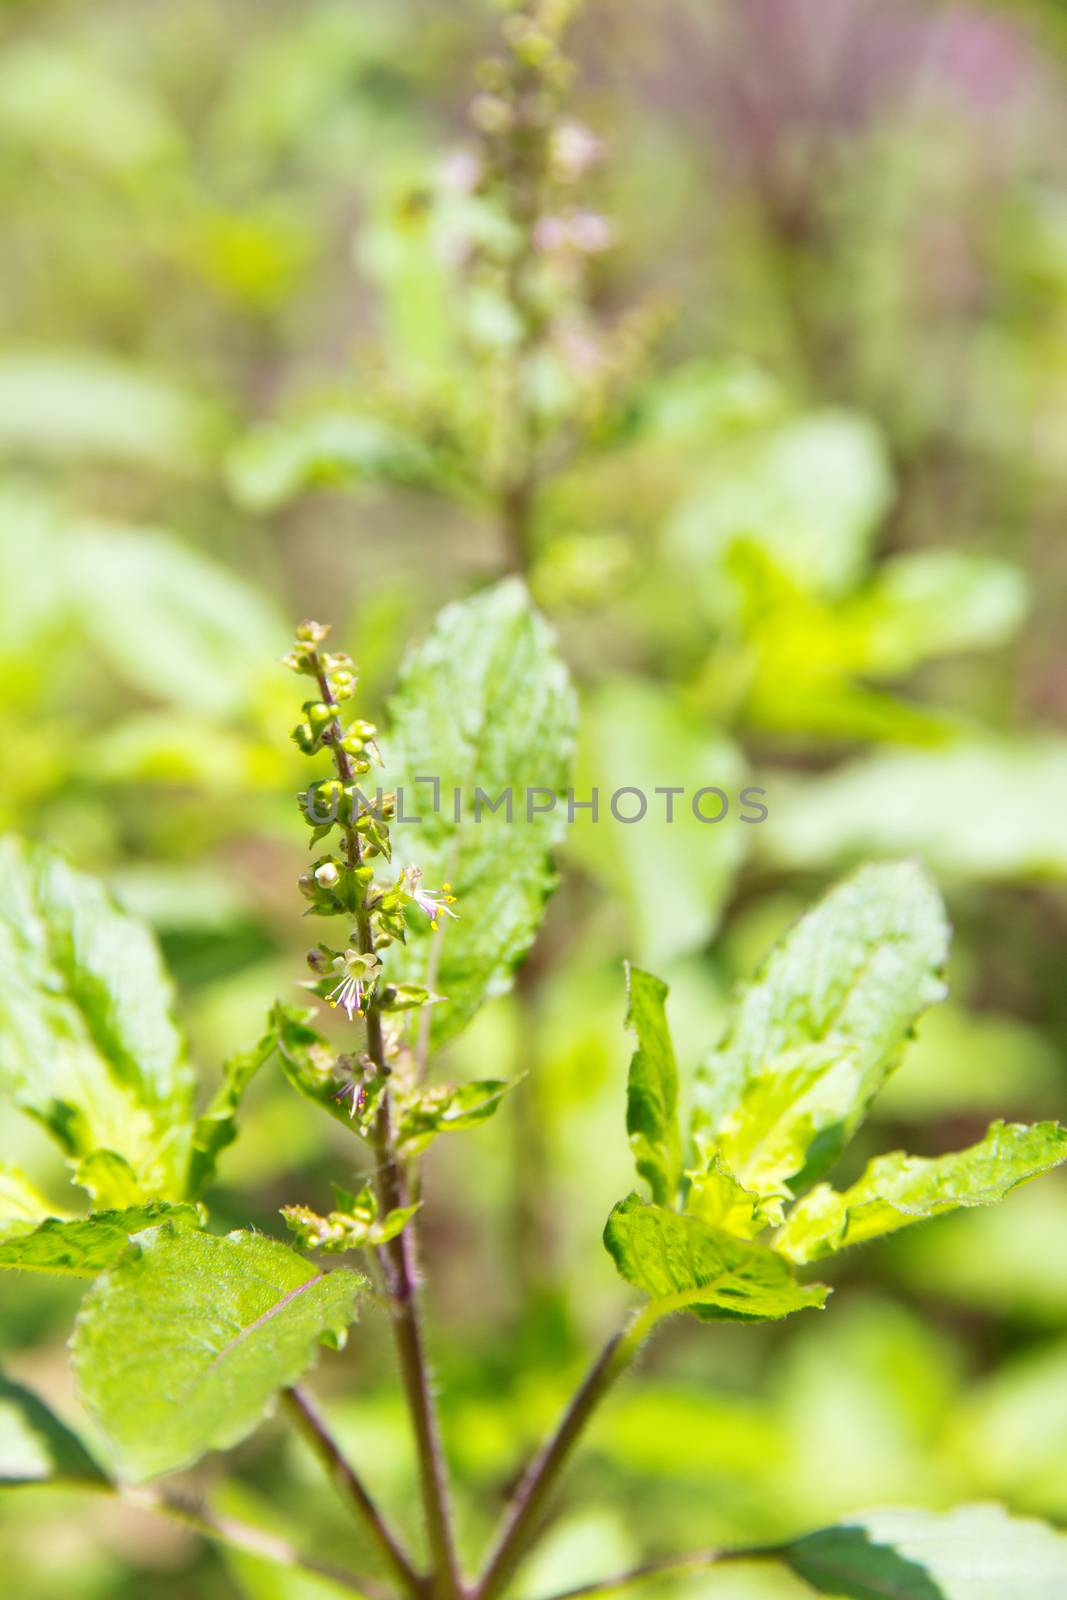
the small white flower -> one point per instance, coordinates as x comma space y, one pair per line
434, 903
348, 995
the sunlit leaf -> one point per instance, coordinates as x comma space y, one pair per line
88, 1044
82, 1247
973, 1553
897, 1190
485, 707
652, 1089
180, 1347
216, 1127
682, 1264
813, 1038
325, 450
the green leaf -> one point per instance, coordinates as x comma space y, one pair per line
485, 704
932, 603
897, 1190
35, 1446
652, 1089
847, 1563
82, 1247
88, 1044
88, 406
811, 492
983, 809
972, 1553
309, 1063
682, 1264
670, 878
446, 1108
179, 627
181, 1346
217, 1126
22, 1205
333, 448
814, 1037
716, 1197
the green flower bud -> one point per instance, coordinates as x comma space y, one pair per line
327, 875
312, 632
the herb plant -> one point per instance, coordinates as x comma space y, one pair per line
187, 1337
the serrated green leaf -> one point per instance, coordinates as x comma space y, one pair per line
88, 1044
82, 1247
652, 1089
897, 1190
682, 1264
813, 1038
180, 1347
976, 1552
717, 1198
109, 1180
217, 1126
35, 1446
484, 704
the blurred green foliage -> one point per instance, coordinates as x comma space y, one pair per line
808, 537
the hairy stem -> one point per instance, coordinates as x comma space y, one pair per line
539, 1481
307, 1419
397, 1256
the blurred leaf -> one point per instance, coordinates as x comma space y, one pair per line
35, 1447
973, 1553
1010, 1261
484, 706
813, 1038
216, 1128
181, 1346
71, 404
83, 1246
179, 627
847, 1562
88, 1044
22, 1205
652, 1089
897, 1190
673, 877
70, 104
812, 492
988, 810
683, 1265
936, 602
1012, 1432
281, 460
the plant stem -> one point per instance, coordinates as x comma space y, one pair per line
254, 1541
696, 1561
307, 1418
539, 1480
397, 1256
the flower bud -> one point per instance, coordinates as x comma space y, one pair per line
327, 875
312, 632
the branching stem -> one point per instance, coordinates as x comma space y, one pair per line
306, 1416
539, 1481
